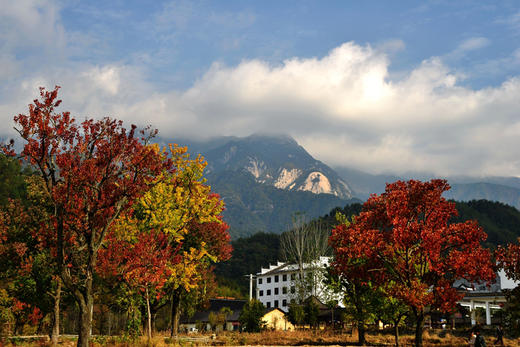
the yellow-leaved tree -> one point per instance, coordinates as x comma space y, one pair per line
181, 206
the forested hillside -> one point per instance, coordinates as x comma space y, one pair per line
253, 207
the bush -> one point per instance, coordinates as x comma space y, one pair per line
251, 316
6, 316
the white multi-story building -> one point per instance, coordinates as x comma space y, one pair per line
280, 284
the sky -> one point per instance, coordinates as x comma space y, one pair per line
381, 86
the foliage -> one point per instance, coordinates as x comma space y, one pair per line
359, 298
6, 314
501, 222
403, 243
509, 259
311, 312
12, 179
26, 256
91, 173
511, 311
296, 314
251, 316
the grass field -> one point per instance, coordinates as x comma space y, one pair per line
439, 338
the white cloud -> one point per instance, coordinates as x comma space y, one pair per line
30, 24
474, 43
343, 107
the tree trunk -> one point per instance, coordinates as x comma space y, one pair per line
85, 320
40, 327
361, 333
55, 335
175, 312
396, 334
149, 315
419, 329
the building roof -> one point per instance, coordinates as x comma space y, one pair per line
271, 309
286, 267
215, 305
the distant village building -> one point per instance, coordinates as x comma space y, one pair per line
480, 295
280, 285
275, 319
277, 287
201, 320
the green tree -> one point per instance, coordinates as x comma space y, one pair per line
390, 310
311, 313
251, 316
296, 314
12, 179
224, 313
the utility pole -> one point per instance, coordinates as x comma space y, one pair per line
250, 287
251, 277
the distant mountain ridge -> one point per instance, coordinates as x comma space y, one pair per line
463, 188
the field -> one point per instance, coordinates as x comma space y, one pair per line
438, 338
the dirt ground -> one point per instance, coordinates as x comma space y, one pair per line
438, 338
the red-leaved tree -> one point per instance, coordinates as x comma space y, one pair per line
92, 171
144, 264
508, 258
402, 242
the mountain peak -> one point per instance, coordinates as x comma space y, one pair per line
279, 161
281, 139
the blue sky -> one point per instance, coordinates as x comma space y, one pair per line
383, 86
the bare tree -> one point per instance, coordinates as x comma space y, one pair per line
303, 245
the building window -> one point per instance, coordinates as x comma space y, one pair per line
268, 279
268, 291
284, 290
276, 278
259, 281
276, 303
268, 304
293, 277
275, 291
293, 289
284, 277
261, 293
284, 302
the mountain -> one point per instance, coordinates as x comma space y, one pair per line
262, 180
277, 161
265, 180
252, 207
488, 191
463, 188
363, 184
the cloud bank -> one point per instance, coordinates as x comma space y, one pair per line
345, 108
